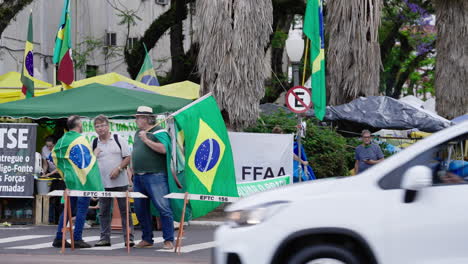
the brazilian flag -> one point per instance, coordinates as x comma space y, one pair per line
209, 166
76, 163
147, 75
313, 29
27, 72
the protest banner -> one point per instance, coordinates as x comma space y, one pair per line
248, 188
125, 128
17, 159
260, 156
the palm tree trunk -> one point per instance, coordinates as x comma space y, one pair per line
451, 76
233, 35
353, 56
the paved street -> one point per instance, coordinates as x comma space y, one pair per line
33, 244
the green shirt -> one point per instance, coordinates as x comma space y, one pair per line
146, 160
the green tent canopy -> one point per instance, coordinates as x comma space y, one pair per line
90, 101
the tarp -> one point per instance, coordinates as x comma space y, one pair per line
10, 86
386, 112
90, 101
13, 80
185, 89
374, 112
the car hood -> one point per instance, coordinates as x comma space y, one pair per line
290, 193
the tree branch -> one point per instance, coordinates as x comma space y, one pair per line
8, 10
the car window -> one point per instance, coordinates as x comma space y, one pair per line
448, 162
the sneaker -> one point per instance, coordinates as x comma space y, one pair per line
81, 244
132, 244
168, 245
144, 244
86, 225
58, 243
103, 243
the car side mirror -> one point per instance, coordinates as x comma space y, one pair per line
415, 179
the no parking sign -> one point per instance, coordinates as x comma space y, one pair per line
298, 99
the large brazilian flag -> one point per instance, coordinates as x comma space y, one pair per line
209, 167
76, 163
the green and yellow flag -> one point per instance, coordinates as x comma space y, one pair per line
209, 166
62, 49
76, 163
27, 72
147, 75
313, 29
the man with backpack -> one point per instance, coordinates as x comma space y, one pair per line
113, 157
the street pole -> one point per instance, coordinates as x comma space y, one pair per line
295, 73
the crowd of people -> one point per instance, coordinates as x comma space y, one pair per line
146, 164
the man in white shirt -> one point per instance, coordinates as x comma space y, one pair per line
113, 157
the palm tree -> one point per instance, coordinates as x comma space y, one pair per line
353, 56
451, 77
233, 35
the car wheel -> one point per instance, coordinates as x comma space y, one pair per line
324, 254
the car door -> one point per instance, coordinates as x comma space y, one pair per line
432, 228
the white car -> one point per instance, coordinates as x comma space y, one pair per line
411, 208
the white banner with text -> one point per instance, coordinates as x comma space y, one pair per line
261, 156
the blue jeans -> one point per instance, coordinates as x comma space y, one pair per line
155, 186
79, 207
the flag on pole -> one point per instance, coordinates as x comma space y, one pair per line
27, 72
147, 75
62, 49
76, 163
313, 29
209, 165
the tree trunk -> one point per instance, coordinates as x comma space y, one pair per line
283, 16
233, 35
177, 41
8, 10
451, 76
278, 78
135, 57
393, 76
353, 55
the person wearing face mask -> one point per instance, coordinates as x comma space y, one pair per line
367, 154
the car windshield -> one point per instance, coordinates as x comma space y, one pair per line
448, 162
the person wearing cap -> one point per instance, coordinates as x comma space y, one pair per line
149, 163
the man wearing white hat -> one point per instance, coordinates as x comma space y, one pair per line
149, 163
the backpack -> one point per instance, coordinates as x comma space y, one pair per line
116, 138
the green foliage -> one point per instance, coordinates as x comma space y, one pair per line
84, 50
279, 39
128, 17
407, 44
326, 150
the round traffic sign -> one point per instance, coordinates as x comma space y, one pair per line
298, 99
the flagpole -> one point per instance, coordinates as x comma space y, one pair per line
55, 77
305, 61
191, 104
179, 111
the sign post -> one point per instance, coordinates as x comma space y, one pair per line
299, 100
